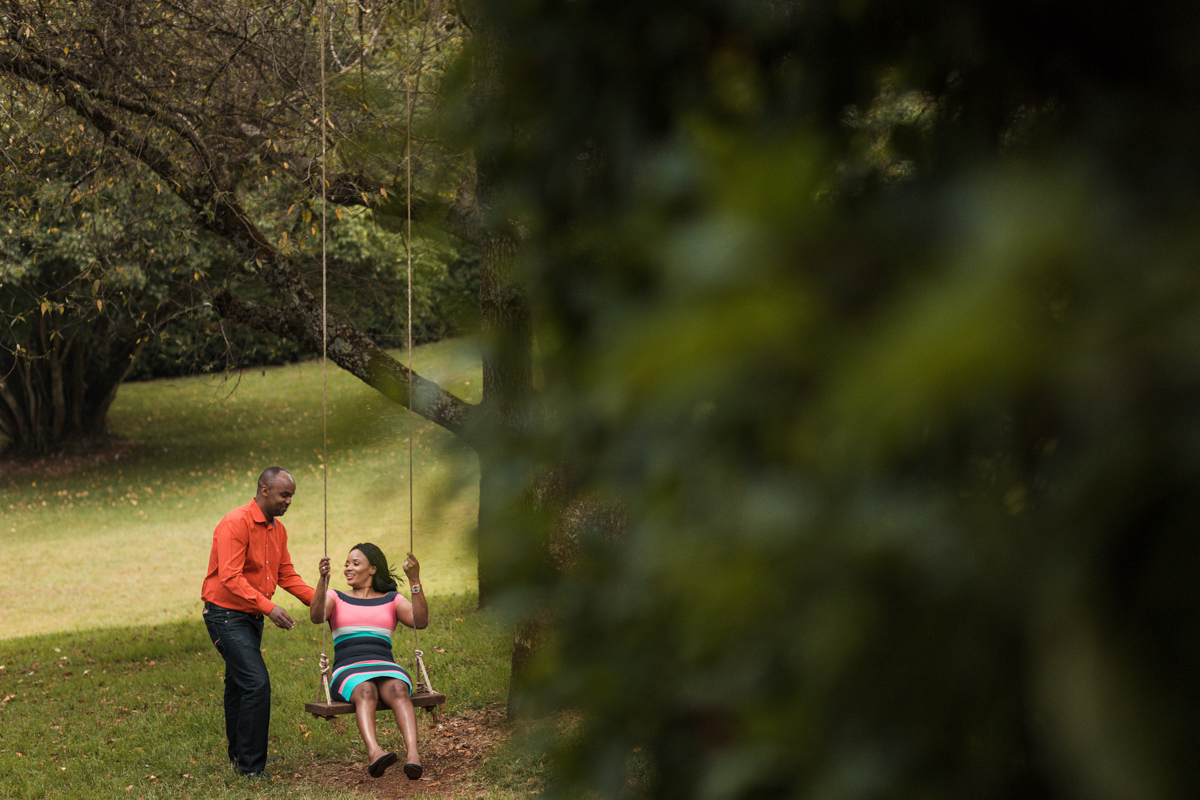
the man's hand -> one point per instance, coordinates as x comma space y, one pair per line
281, 618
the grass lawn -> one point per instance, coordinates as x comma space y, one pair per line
136, 712
109, 685
127, 543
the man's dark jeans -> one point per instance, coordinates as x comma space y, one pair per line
238, 638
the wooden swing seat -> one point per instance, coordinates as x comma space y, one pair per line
422, 699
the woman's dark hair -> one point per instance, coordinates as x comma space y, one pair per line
384, 580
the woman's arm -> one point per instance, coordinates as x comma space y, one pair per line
318, 610
416, 613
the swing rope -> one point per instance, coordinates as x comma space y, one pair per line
410, 86
326, 673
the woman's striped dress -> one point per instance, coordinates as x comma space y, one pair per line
362, 641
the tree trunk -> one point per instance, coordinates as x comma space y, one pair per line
58, 399
506, 404
527, 640
13, 420
78, 387
570, 517
57, 391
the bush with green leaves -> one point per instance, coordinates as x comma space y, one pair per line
908, 461
367, 278
91, 266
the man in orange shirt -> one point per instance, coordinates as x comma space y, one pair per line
249, 560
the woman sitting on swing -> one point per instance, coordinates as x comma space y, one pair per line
364, 671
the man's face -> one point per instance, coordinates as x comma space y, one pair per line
276, 498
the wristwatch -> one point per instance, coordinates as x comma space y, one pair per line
416, 588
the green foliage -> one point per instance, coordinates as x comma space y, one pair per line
367, 274
403, 85
198, 343
221, 141
121, 269
91, 266
908, 457
371, 280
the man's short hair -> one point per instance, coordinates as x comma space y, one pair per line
267, 479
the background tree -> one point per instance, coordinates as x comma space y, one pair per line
104, 276
91, 265
218, 106
221, 105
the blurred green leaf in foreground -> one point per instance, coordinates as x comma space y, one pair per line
879, 321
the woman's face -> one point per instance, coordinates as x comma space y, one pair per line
358, 570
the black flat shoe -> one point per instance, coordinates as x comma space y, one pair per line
413, 771
380, 766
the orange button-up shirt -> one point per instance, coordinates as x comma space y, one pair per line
249, 560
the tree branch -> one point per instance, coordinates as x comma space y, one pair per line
354, 352
83, 105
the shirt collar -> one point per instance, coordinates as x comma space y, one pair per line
257, 514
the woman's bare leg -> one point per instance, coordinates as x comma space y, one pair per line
366, 699
395, 693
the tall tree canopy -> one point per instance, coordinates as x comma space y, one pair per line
89, 266
219, 105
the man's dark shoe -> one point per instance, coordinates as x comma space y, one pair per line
261, 776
